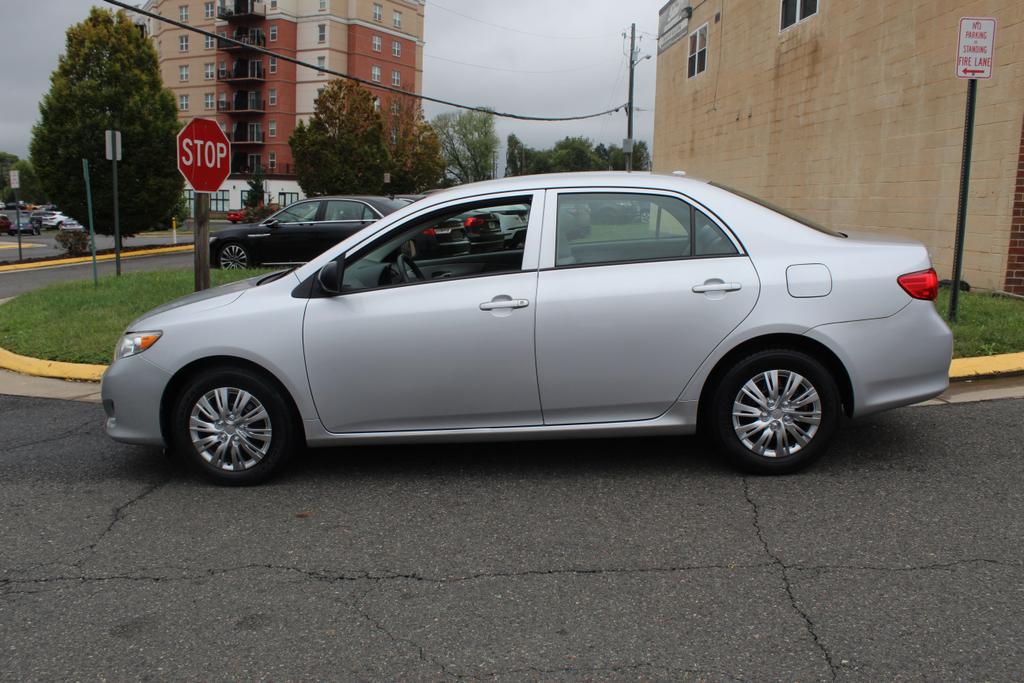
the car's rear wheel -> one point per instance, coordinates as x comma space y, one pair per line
775, 411
233, 426
233, 256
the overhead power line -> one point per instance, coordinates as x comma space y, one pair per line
356, 79
516, 30
515, 71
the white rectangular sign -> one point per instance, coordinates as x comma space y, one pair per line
15, 180
113, 138
975, 52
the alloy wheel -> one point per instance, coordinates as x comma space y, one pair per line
233, 257
230, 429
776, 413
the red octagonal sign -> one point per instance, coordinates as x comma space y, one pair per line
204, 155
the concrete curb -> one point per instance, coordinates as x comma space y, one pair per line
13, 267
36, 367
986, 366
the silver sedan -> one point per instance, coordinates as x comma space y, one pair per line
637, 304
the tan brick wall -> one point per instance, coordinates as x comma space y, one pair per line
853, 117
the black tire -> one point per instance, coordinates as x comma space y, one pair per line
60, 226
225, 256
725, 432
245, 469
35, 231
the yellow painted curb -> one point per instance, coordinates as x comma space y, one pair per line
985, 366
36, 367
102, 257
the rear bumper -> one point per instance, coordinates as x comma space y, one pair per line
131, 391
894, 361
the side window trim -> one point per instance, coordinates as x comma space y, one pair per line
548, 247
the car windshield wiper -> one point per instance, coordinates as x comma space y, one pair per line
275, 276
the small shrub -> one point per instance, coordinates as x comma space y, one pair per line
258, 213
74, 242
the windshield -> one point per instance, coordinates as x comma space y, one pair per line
778, 209
386, 206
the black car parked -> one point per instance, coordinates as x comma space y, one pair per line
298, 232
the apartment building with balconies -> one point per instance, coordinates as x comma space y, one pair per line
258, 98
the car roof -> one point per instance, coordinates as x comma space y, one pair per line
642, 179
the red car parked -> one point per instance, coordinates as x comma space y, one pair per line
236, 216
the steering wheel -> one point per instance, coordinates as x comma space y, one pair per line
407, 269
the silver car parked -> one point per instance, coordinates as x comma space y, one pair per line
696, 307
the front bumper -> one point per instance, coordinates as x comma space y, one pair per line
894, 361
131, 390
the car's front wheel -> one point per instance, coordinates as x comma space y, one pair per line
233, 256
233, 426
775, 411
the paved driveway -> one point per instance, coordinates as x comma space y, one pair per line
899, 556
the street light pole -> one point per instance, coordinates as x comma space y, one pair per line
629, 107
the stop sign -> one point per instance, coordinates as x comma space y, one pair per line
204, 155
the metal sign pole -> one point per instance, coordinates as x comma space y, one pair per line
92, 231
117, 225
17, 217
961, 211
201, 249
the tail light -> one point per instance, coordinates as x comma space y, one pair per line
924, 284
430, 232
474, 222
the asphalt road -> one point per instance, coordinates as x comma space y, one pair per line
13, 283
898, 557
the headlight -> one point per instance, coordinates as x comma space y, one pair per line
135, 342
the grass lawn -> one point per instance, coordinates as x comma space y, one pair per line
80, 323
986, 325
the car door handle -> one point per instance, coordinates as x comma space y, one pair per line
717, 287
506, 303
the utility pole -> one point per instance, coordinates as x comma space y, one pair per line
629, 107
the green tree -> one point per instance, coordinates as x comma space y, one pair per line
257, 182
341, 150
108, 77
415, 159
468, 144
515, 156
575, 154
641, 156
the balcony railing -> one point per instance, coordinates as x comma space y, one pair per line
242, 73
243, 167
248, 106
245, 137
241, 9
250, 39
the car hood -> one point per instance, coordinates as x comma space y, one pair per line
202, 301
240, 230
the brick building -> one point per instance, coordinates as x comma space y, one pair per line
257, 98
851, 113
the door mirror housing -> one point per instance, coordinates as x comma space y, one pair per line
330, 276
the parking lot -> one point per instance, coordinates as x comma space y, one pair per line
897, 557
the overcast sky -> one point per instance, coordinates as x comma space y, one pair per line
542, 58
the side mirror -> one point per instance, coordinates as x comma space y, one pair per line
271, 222
330, 277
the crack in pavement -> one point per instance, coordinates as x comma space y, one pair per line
73, 431
784, 573
118, 516
613, 668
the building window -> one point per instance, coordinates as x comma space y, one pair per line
323, 5
376, 43
376, 104
208, 10
208, 71
272, 158
396, 106
394, 135
183, 43
396, 49
378, 12
272, 128
183, 73
321, 33
272, 65
287, 198
219, 200
273, 4
319, 92
183, 102
396, 78
273, 32
397, 18
321, 62
208, 100
698, 60
183, 13
208, 42
797, 10
272, 97
375, 74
